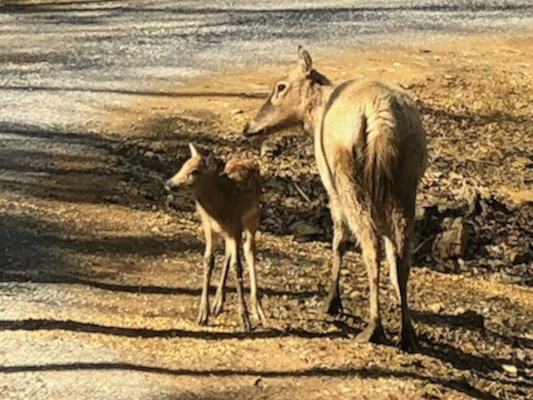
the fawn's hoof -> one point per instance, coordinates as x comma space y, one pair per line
218, 304
333, 304
373, 333
408, 340
244, 322
258, 313
203, 317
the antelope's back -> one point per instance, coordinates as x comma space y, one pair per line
359, 111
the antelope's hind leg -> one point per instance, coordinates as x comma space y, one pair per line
370, 248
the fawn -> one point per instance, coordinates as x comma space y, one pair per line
228, 202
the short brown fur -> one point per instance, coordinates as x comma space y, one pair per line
229, 205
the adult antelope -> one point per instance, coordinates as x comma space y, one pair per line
370, 148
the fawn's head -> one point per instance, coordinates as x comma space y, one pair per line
193, 171
285, 106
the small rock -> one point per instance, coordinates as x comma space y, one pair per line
511, 369
453, 241
301, 228
436, 308
460, 310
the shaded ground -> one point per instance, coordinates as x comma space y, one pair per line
99, 268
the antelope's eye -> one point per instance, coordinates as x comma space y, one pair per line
281, 87
194, 172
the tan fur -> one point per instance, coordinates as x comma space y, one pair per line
228, 202
370, 149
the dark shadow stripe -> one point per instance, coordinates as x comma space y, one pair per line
74, 326
58, 279
460, 385
252, 95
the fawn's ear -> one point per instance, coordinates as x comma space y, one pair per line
210, 162
193, 150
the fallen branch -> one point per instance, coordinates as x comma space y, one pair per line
422, 244
299, 189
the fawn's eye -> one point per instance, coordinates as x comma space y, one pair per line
281, 87
194, 172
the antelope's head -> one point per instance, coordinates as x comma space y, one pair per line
285, 106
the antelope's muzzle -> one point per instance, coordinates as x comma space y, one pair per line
250, 130
169, 185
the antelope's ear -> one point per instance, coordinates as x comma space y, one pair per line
305, 60
210, 162
193, 150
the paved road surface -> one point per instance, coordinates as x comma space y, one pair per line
52, 54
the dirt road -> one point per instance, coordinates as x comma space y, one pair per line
99, 267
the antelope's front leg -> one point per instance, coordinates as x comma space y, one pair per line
208, 264
333, 304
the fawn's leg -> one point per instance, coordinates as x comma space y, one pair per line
236, 267
370, 248
218, 304
208, 264
333, 304
249, 255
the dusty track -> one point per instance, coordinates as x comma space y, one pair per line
100, 270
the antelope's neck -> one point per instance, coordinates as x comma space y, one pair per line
315, 107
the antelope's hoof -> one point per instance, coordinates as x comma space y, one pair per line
408, 340
333, 305
373, 333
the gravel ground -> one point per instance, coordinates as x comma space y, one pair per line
99, 279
